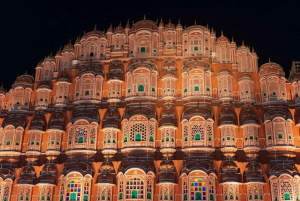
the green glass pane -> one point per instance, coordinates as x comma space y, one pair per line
143, 49
87, 93
185, 90
197, 136
125, 139
73, 196
196, 48
134, 194
86, 198
121, 196
211, 197
287, 196
167, 139
198, 196
80, 140
280, 136
138, 137
185, 197
153, 89
151, 139
8, 142
207, 89
141, 88
148, 195
196, 88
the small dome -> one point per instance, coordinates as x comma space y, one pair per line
7, 173
89, 114
27, 175
112, 117
94, 33
16, 120
170, 25
95, 69
229, 166
227, 116
194, 164
167, 165
230, 172
68, 47
44, 85
252, 166
203, 111
287, 167
116, 71
179, 26
119, 29
57, 120
245, 76
38, 122
278, 111
224, 71
25, 81
247, 116
243, 48
167, 172
106, 173
146, 111
271, 68
222, 38
168, 116
81, 167
49, 58
48, 174
63, 78
145, 166
144, 24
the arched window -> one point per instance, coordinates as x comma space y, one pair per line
34, 142
5, 189
62, 93
138, 132
104, 193
201, 187
110, 138
11, 138
82, 135
45, 192
54, 140
75, 187
66, 61
24, 192
196, 45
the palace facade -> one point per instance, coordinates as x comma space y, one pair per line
151, 112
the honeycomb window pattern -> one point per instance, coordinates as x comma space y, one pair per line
135, 188
138, 132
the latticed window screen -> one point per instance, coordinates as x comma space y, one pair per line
66, 61
275, 190
149, 188
24, 192
151, 132
209, 132
135, 188
138, 132
286, 190
98, 88
211, 191
54, 140
125, 132
104, 193
185, 189
62, 92
45, 193
121, 190
296, 189
34, 142
6, 191
198, 132
81, 134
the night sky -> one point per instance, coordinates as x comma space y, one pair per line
32, 29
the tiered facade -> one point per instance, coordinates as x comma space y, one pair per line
155, 112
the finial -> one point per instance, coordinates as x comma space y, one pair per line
83, 32
161, 19
156, 22
110, 25
207, 25
26, 72
185, 26
269, 60
232, 39
70, 41
95, 27
132, 22
222, 32
179, 21
2, 85
195, 22
144, 16
243, 42
103, 30
127, 21
212, 29
120, 24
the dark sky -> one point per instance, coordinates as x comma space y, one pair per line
32, 29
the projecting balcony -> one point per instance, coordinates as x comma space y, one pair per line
280, 144
197, 145
61, 102
41, 105
247, 98
138, 146
147, 95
